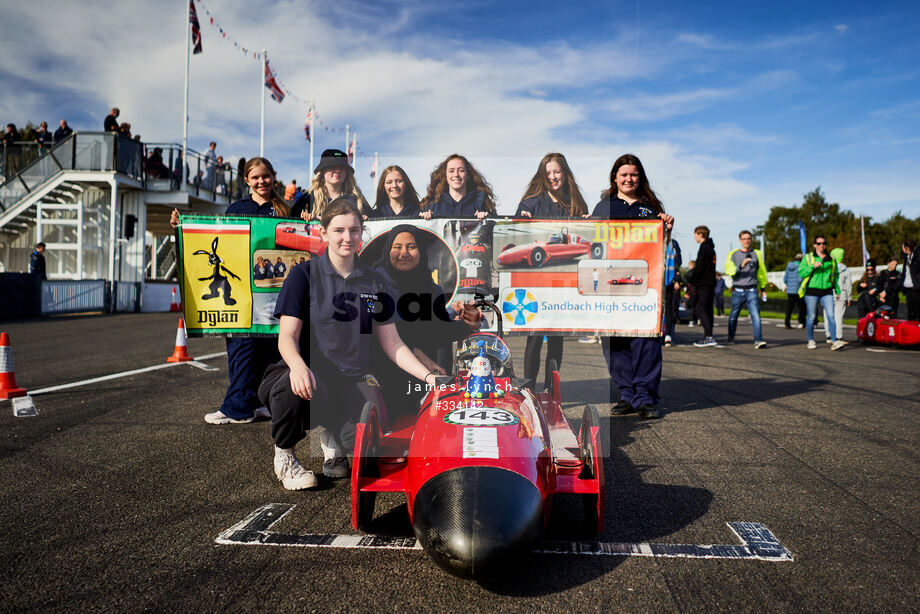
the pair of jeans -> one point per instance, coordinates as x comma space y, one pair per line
739, 299
827, 303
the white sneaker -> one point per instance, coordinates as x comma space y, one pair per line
262, 413
800, 326
828, 340
291, 473
590, 339
667, 340
218, 417
812, 345
760, 344
335, 459
838, 344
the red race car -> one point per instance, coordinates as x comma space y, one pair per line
559, 246
480, 462
629, 280
880, 327
302, 237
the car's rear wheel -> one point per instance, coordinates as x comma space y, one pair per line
597, 251
538, 256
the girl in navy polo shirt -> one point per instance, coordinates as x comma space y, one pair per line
634, 363
396, 196
327, 311
552, 193
456, 189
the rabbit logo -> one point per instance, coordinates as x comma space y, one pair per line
219, 280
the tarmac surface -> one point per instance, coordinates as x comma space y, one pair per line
113, 496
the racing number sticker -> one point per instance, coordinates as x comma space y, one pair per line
481, 416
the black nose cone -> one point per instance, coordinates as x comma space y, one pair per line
471, 519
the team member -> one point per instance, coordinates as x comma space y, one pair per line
551, 194
396, 196
910, 279
333, 177
247, 357
280, 268
634, 363
819, 272
404, 268
889, 282
793, 300
327, 312
868, 289
703, 278
456, 189
748, 271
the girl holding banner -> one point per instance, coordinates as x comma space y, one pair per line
333, 178
327, 308
634, 363
551, 194
396, 196
456, 189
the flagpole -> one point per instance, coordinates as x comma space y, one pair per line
862, 232
354, 153
312, 138
346, 140
262, 99
188, 38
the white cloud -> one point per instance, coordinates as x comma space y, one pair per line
841, 27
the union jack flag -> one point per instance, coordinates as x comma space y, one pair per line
196, 27
271, 84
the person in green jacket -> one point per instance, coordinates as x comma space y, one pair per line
820, 283
748, 271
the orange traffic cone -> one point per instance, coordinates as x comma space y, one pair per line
180, 354
8, 387
174, 304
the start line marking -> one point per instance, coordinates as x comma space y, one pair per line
194, 363
757, 542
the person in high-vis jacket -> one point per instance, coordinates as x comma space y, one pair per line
820, 274
748, 271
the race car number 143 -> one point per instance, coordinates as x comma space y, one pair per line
481, 416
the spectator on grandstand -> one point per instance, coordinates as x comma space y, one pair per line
793, 300
43, 137
220, 177
289, 191
396, 196
124, 129
333, 178
111, 120
910, 279
11, 136
63, 132
210, 165
456, 189
868, 289
889, 282
154, 165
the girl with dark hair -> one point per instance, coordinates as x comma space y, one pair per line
551, 194
456, 189
634, 363
910, 279
327, 310
405, 268
396, 196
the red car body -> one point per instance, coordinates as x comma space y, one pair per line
629, 280
874, 327
560, 246
302, 237
479, 475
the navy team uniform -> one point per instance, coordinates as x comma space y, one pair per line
247, 357
466, 207
335, 342
634, 363
541, 207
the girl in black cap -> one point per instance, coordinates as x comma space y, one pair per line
333, 177
456, 189
396, 196
405, 268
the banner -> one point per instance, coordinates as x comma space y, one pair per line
547, 277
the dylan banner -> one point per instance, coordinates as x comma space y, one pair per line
563, 277
572, 277
232, 267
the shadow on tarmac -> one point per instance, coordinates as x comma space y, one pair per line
728, 392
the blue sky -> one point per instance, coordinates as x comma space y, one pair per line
733, 107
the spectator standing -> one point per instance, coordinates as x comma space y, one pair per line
793, 300
691, 296
703, 278
210, 165
220, 178
720, 294
124, 129
749, 274
889, 282
43, 137
842, 300
672, 262
910, 279
37, 262
63, 132
819, 271
111, 120
10, 142
289, 191
868, 290
634, 363
241, 187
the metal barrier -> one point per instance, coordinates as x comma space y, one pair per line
127, 296
64, 296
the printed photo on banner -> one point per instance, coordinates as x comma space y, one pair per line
544, 245
613, 277
440, 259
270, 267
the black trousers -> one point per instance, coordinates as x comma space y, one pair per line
912, 297
532, 354
704, 298
794, 301
336, 405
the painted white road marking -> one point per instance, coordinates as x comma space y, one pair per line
757, 542
104, 378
